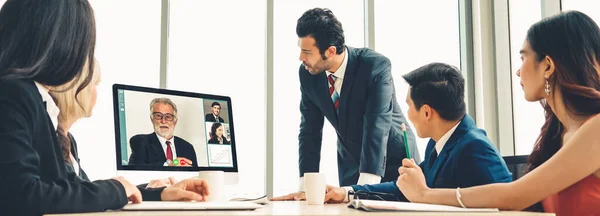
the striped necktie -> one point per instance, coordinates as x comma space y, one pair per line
332, 92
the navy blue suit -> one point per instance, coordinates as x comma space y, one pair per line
146, 149
367, 122
467, 159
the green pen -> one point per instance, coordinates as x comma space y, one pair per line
405, 141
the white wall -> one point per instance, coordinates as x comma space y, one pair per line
436, 40
190, 120
226, 39
528, 117
589, 7
126, 55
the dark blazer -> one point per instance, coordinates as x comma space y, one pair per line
214, 140
148, 194
211, 118
367, 123
146, 149
468, 159
34, 179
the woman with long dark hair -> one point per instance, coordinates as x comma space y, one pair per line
45, 44
216, 134
561, 66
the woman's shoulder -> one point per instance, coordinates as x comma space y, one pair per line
588, 134
20, 96
594, 116
19, 89
591, 121
17, 83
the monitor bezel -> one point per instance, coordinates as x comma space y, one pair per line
120, 166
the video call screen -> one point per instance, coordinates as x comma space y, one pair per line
170, 131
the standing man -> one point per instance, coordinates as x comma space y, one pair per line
353, 88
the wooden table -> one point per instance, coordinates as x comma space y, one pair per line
295, 208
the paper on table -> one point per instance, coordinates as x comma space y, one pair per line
374, 205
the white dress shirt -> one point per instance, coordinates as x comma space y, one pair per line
75, 164
163, 143
439, 145
364, 178
51, 107
339, 74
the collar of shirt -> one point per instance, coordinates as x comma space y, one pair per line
51, 107
75, 164
439, 145
339, 74
163, 143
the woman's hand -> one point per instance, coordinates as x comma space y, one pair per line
161, 183
186, 190
133, 193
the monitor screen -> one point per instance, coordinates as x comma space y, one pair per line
159, 129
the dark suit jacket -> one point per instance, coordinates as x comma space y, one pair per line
34, 179
211, 118
468, 159
146, 149
214, 140
148, 194
369, 137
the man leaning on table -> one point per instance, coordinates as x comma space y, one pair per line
458, 153
353, 88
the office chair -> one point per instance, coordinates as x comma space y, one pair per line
517, 165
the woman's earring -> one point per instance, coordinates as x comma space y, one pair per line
547, 87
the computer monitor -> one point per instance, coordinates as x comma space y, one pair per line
164, 130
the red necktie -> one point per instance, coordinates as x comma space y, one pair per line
169, 152
334, 95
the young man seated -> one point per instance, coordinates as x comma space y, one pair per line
458, 153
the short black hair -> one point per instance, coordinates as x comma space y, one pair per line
441, 86
215, 104
321, 24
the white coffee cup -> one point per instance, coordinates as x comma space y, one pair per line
216, 184
314, 187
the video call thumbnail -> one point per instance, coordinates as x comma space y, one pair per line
171, 130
